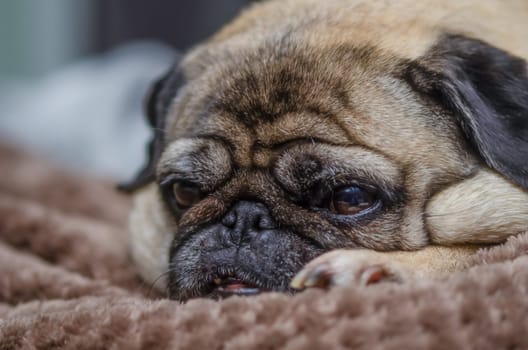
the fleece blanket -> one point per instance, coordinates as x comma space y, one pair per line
66, 282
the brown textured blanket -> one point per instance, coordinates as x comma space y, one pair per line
66, 282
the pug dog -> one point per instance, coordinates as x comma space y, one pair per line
317, 143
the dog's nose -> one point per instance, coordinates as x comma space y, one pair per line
246, 216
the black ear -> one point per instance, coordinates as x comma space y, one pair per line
157, 104
486, 88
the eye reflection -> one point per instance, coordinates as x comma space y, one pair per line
185, 194
351, 200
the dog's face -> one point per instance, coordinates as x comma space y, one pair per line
268, 154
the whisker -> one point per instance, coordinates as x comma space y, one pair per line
151, 287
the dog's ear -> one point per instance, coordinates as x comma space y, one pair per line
157, 103
486, 89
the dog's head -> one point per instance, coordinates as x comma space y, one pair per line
268, 154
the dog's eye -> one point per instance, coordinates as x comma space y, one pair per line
351, 200
185, 194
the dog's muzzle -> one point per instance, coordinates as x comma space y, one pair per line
244, 253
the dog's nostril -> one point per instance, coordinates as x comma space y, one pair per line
229, 220
265, 223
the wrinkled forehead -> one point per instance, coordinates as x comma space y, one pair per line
261, 104
342, 96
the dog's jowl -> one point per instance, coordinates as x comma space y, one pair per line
319, 143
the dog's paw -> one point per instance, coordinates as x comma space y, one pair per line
348, 267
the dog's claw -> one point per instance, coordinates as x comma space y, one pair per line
298, 281
319, 277
373, 274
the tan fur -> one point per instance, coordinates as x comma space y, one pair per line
382, 130
485, 208
405, 27
150, 237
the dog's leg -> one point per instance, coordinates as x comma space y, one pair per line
362, 266
486, 208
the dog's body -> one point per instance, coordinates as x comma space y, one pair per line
306, 126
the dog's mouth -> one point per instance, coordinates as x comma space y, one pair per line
231, 285
224, 284
228, 286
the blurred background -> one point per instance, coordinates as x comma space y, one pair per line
73, 74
